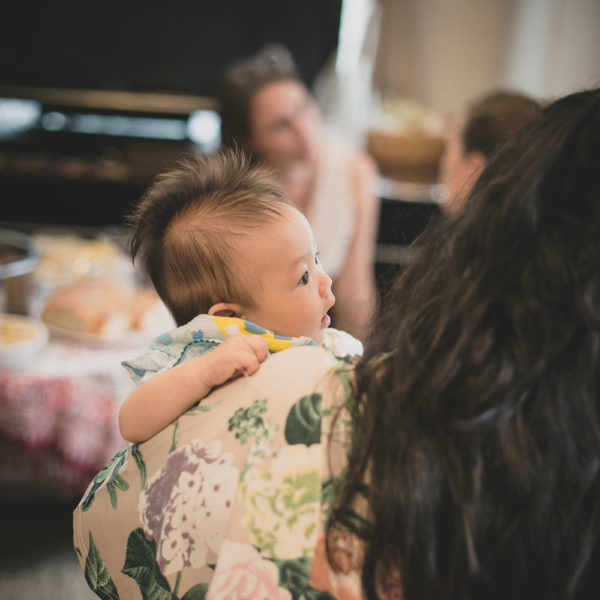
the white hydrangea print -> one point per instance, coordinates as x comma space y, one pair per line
282, 500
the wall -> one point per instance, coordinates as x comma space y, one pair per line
554, 46
443, 53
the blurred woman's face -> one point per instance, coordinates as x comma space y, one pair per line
458, 170
283, 123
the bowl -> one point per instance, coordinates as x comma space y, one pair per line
406, 157
19, 255
20, 338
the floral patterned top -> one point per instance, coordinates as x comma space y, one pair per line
231, 501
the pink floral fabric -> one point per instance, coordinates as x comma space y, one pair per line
243, 573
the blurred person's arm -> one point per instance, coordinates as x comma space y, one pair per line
354, 287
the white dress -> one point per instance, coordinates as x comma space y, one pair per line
332, 211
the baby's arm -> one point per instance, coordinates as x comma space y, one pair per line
160, 400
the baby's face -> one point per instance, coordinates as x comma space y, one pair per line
294, 294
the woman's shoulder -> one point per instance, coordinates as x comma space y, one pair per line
363, 165
206, 500
290, 376
362, 173
358, 160
280, 388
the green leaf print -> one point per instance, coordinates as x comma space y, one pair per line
247, 422
177, 582
175, 436
106, 474
202, 408
97, 575
139, 461
347, 380
294, 576
140, 565
198, 592
111, 487
120, 483
328, 494
303, 425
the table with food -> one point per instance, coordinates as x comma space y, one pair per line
72, 307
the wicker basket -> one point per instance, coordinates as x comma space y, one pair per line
413, 157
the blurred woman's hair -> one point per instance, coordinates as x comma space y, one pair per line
241, 82
492, 119
476, 426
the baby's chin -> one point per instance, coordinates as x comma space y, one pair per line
319, 337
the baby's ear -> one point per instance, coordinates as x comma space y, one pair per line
225, 309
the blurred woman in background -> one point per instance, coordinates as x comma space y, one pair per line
267, 109
472, 139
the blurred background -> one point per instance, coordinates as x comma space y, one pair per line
98, 98
95, 99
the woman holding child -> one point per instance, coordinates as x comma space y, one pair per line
458, 459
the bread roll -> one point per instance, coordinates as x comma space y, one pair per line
105, 308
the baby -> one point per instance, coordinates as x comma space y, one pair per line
228, 254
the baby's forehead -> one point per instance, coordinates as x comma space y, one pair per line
283, 241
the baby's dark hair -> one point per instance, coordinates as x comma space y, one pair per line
185, 228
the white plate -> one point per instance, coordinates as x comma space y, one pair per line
20, 337
131, 339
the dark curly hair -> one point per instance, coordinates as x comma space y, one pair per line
476, 425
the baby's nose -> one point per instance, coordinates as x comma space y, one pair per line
324, 284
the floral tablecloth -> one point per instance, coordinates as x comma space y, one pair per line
59, 416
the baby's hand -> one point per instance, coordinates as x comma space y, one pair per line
237, 355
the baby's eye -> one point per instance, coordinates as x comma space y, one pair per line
304, 279
278, 125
